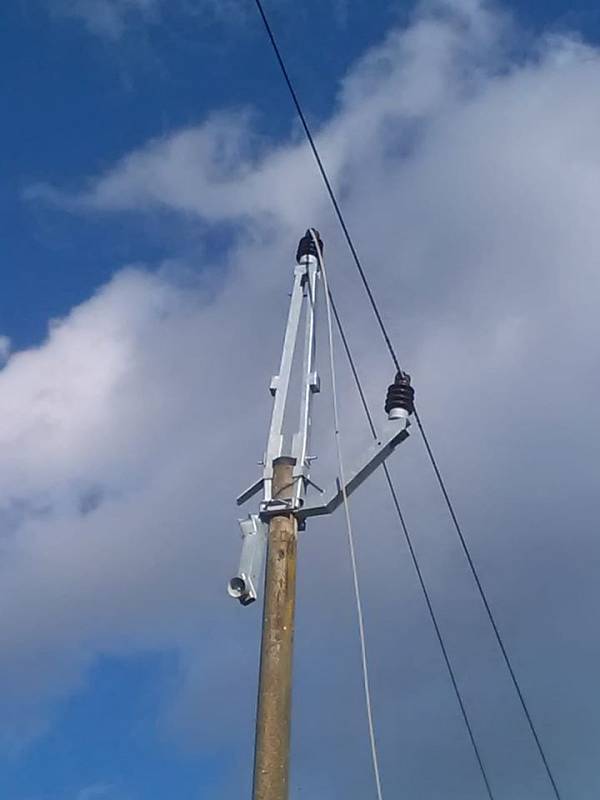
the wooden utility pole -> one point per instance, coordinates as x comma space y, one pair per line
272, 754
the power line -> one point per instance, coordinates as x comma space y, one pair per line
412, 552
486, 605
396, 362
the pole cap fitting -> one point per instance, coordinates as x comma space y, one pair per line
306, 246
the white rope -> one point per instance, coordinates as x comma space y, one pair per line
359, 611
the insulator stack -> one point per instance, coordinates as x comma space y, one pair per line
400, 399
306, 246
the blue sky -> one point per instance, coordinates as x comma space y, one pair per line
75, 101
141, 708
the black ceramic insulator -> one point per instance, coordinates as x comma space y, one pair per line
400, 394
306, 247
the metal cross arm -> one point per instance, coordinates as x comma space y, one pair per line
395, 431
244, 585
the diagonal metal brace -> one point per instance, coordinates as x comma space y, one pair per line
250, 492
376, 455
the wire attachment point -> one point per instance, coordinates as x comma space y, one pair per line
400, 399
307, 245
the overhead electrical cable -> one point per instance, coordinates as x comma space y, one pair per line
488, 610
349, 534
411, 549
396, 362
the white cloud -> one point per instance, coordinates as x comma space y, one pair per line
220, 170
472, 183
